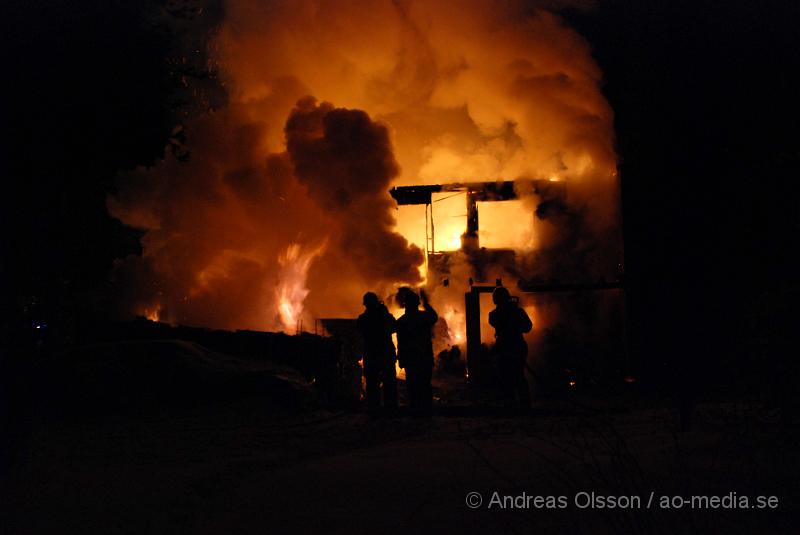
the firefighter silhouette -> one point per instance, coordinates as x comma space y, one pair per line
511, 322
376, 326
415, 348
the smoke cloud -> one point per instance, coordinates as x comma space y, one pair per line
346, 162
402, 93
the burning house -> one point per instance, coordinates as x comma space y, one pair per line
481, 260
282, 207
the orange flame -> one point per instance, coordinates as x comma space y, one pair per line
153, 314
291, 291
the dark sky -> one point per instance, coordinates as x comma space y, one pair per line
706, 118
89, 89
706, 115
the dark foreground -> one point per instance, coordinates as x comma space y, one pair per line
244, 467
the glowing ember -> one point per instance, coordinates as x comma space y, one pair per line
455, 325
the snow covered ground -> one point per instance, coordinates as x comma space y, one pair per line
248, 465
244, 469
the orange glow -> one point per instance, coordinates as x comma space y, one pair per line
506, 225
153, 314
468, 91
455, 325
450, 213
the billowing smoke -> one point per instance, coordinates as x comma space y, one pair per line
419, 92
346, 162
230, 239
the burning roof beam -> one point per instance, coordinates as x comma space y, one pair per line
481, 191
476, 192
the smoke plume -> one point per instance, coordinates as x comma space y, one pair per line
403, 92
346, 162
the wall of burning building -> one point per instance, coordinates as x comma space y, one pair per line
282, 214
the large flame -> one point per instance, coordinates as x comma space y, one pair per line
291, 291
